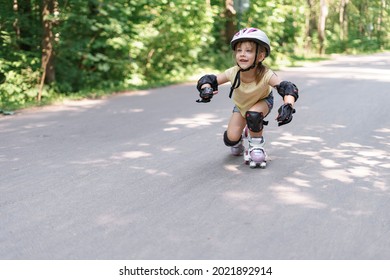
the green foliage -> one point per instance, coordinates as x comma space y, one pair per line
19, 55
368, 27
20, 83
170, 42
283, 22
102, 45
92, 50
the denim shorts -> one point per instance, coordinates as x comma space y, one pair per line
269, 100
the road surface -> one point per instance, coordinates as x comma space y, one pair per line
145, 175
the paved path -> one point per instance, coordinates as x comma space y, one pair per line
146, 175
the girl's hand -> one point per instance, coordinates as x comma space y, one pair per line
206, 93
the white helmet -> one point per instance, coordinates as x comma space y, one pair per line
252, 34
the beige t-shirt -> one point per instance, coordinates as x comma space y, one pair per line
248, 94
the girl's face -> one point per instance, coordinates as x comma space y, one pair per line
245, 54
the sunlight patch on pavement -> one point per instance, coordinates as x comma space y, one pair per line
365, 161
361, 171
151, 171
380, 185
338, 174
91, 162
383, 130
73, 105
294, 196
329, 163
281, 144
136, 93
336, 153
231, 167
157, 172
299, 139
290, 140
196, 121
86, 103
171, 129
143, 144
136, 110
298, 182
373, 153
131, 155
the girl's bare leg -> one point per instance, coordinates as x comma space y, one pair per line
235, 126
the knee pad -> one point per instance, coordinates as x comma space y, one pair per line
254, 121
228, 142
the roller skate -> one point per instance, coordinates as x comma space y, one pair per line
255, 155
238, 149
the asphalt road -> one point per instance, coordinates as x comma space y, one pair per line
145, 175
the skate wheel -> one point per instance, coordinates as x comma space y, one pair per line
263, 164
246, 157
252, 164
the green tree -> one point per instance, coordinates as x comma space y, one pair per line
171, 41
92, 45
20, 51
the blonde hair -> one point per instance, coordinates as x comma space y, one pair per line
261, 69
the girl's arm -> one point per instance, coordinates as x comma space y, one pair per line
221, 79
289, 93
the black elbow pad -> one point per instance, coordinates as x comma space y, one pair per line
208, 79
288, 88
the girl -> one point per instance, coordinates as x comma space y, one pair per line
251, 89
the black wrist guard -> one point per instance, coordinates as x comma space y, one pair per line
205, 95
285, 114
288, 88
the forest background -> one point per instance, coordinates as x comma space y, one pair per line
54, 49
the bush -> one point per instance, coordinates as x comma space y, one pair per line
21, 80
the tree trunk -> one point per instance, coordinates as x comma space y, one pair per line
380, 21
48, 41
230, 14
343, 20
363, 7
321, 25
311, 24
16, 23
47, 64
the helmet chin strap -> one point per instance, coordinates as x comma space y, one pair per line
237, 79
